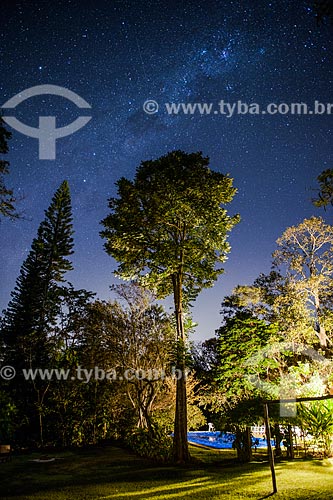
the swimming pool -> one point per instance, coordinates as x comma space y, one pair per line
220, 440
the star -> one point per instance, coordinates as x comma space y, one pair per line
118, 57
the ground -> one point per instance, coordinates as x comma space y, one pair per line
111, 473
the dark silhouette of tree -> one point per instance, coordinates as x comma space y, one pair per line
325, 195
32, 312
7, 199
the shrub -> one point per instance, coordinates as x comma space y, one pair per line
7, 417
155, 443
317, 419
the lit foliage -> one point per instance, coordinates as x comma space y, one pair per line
316, 418
241, 345
171, 219
306, 251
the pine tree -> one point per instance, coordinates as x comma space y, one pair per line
32, 312
33, 308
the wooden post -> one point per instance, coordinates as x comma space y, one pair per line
269, 447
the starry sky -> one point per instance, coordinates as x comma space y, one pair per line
116, 54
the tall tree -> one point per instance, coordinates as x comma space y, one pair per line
306, 251
7, 199
32, 311
168, 229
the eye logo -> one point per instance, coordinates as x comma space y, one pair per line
47, 133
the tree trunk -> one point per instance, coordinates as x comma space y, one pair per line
243, 444
278, 439
291, 444
322, 336
180, 445
40, 418
321, 333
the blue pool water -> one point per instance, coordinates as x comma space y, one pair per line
220, 440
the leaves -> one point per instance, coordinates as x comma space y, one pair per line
170, 220
325, 195
7, 198
306, 252
317, 419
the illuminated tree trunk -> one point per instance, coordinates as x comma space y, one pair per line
321, 332
180, 445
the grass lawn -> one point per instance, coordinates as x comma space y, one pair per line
112, 473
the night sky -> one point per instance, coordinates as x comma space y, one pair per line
118, 54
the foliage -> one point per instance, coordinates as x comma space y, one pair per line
7, 418
171, 216
306, 251
132, 338
240, 341
152, 443
7, 198
32, 312
164, 405
294, 305
316, 418
325, 195
205, 358
35, 301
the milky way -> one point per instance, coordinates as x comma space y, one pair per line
117, 55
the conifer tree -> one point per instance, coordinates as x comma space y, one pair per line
32, 312
34, 305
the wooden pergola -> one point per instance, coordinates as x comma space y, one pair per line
268, 430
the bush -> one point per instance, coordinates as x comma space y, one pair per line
317, 419
155, 443
7, 417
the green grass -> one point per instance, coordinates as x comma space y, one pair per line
111, 473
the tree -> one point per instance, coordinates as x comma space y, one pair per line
325, 194
244, 373
276, 299
168, 229
7, 199
135, 339
205, 359
33, 309
257, 299
241, 344
306, 251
